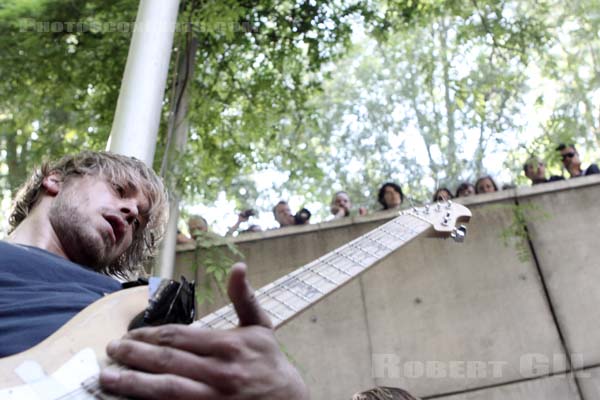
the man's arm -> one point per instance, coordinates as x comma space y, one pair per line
190, 362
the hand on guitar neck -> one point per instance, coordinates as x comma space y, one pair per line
191, 362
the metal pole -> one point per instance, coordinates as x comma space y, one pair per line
166, 258
137, 117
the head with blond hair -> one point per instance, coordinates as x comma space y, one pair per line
384, 393
120, 171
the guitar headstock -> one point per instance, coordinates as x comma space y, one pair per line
444, 218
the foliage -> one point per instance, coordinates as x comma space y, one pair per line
517, 232
255, 67
213, 254
333, 94
446, 83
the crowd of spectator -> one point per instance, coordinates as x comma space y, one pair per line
390, 195
534, 169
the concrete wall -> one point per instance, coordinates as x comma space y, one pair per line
477, 320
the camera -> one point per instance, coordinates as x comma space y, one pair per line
302, 217
248, 213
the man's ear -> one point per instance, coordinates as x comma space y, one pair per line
52, 183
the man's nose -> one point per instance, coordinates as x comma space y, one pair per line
129, 210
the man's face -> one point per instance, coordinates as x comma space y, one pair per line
536, 171
195, 226
342, 201
283, 215
570, 157
95, 220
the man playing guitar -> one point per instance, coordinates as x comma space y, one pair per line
96, 214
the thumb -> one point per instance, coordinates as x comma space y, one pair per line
244, 301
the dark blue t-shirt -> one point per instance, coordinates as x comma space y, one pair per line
39, 292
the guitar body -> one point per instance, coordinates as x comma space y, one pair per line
94, 327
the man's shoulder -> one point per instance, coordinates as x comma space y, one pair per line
33, 264
592, 169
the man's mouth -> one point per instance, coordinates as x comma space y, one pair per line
118, 226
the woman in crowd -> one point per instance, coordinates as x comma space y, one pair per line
465, 189
485, 184
442, 194
390, 196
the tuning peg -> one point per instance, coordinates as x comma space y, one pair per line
448, 204
458, 234
446, 219
427, 209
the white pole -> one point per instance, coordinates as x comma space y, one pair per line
168, 247
137, 117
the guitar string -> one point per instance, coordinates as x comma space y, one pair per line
228, 312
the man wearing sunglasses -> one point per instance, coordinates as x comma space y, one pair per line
571, 161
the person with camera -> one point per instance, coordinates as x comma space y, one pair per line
283, 215
244, 216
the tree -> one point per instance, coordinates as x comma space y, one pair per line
442, 77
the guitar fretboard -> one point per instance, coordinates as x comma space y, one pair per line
295, 292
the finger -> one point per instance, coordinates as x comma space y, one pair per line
160, 359
214, 372
191, 338
244, 301
142, 385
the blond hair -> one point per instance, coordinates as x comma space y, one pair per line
384, 393
116, 168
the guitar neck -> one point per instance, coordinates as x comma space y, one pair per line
291, 294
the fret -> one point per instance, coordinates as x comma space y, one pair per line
274, 314
208, 321
280, 299
376, 257
332, 265
378, 242
308, 268
390, 233
383, 237
336, 261
203, 323
271, 304
224, 315
341, 252
416, 227
297, 294
309, 289
405, 234
400, 238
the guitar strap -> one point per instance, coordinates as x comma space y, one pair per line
171, 303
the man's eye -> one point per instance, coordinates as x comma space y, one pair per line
119, 189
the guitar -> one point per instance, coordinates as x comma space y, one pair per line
66, 364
